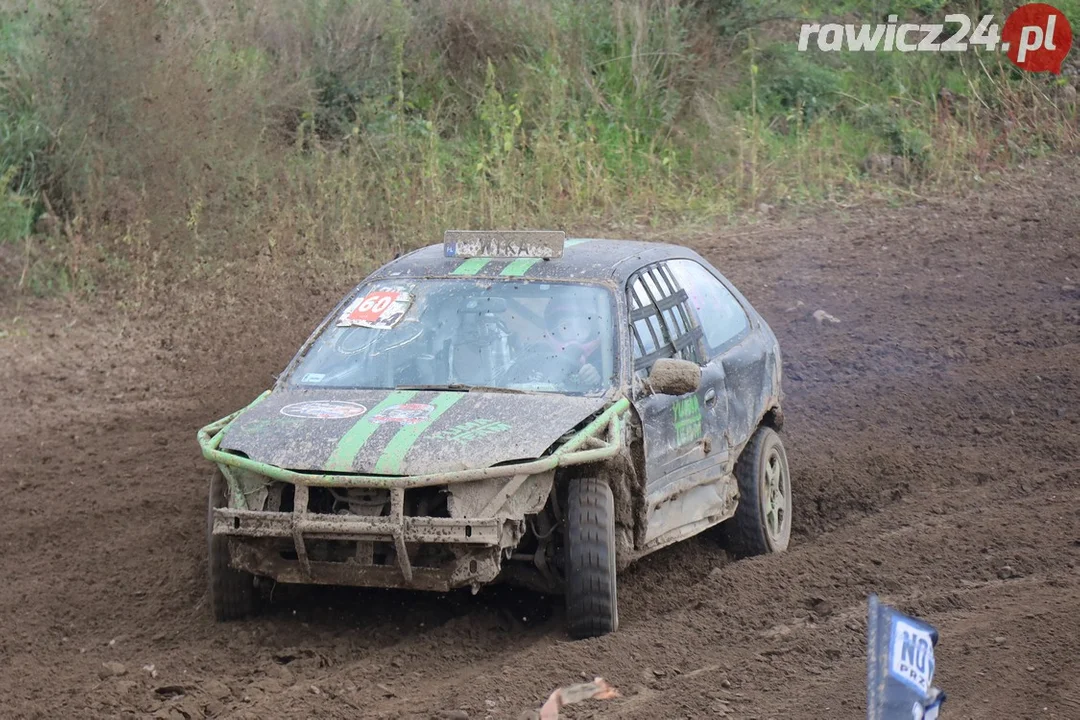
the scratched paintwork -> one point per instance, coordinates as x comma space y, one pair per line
471, 431
534, 423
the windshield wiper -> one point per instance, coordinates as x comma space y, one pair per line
463, 387
492, 388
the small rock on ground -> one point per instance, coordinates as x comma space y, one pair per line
112, 669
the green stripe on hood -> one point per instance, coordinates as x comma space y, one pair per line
393, 456
341, 460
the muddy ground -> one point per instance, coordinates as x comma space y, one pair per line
934, 436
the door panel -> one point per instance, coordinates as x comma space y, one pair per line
686, 459
666, 453
732, 342
683, 451
678, 441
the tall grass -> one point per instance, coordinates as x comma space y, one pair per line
180, 140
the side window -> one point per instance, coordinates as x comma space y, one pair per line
723, 319
662, 322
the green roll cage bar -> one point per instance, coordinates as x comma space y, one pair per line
600, 440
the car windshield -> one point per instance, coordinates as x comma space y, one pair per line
467, 333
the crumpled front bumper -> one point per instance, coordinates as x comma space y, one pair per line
471, 543
476, 542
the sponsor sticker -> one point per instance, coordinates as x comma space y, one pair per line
687, 414
406, 414
380, 310
324, 409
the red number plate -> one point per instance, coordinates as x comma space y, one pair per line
372, 307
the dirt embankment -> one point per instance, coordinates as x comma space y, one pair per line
934, 436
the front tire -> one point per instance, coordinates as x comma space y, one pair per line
762, 522
591, 599
232, 592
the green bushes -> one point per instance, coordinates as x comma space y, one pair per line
24, 140
792, 80
183, 136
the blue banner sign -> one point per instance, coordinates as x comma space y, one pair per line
900, 666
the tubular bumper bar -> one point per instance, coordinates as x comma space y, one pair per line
584, 447
601, 439
252, 523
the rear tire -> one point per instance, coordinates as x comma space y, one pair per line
591, 599
232, 592
762, 522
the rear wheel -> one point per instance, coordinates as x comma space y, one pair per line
762, 522
232, 592
591, 600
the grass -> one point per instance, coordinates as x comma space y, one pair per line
177, 139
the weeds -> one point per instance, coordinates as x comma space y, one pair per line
330, 134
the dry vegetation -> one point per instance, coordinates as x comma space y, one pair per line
181, 140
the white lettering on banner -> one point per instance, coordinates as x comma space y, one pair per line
911, 655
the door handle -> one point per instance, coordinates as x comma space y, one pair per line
710, 397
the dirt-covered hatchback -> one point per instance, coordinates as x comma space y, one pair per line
506, 407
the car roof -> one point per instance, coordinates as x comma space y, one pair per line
583, 259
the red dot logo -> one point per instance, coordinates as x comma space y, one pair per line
1037, 37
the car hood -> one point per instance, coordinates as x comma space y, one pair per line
402, 432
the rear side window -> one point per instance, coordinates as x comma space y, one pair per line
662, 322
723, 319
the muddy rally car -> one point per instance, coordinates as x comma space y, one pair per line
514, 407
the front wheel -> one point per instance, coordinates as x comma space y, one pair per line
591, 601
232, 592
762, 522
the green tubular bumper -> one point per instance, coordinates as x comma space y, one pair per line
586, 446
488, 535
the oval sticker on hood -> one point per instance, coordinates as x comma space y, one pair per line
324, 409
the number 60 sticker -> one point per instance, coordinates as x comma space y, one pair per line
380, 310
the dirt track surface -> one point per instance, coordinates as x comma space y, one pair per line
934, 436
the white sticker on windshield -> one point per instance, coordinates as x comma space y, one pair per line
313, 378
380, 310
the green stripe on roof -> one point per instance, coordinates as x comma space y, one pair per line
471, 266
515, 268
393, 455
519, 266
341, 460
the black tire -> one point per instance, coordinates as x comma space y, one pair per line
232, 592
762, 522
592, 607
